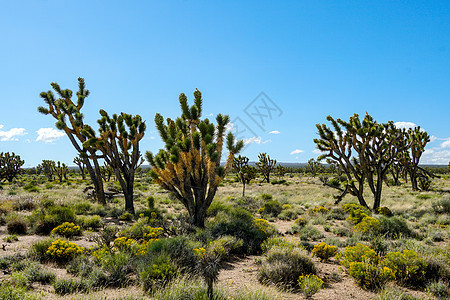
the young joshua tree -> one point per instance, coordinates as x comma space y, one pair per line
119, 142
10, 166
240, 166
266, 166
80, 163
61, 170
189, 166
47, 167
70, 119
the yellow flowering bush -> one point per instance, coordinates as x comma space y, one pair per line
319, 209
359, 253
368, 225
61, 250
324, 251
67, 229
370, 276
409, 268
310, 284
123, 243
385, 211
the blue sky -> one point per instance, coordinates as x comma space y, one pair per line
310, 59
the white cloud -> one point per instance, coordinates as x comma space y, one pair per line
433, 138
405, 125
274, 132
297, 151
446, 143
11, 135
317, 151
257, 140
48, 135
436, 156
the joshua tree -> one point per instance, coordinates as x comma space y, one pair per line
107, 172
314, 167
10, 164
265, 166
80, 163
240, 166
64, 109
60, 170
410, 158
376, 147
47, 167
280, 170
119, 142
189, 166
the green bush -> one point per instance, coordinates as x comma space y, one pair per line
324, 251
38, 250
9, 292
157, 274
370, 276
356, 216
276, 241
92, 222
272, 208
266, 196
80, 266
126, 217
368, 226
394, 227
83, 208
283, 266
241, 224
70, 286
118, 266
441, 206
394, 293
310, 232
438, 289
35, 273
385, 211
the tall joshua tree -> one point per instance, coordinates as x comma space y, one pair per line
47, 167
70, 120
189, 166
375, 148
61, 171
80, 163
119, 142
265, 166
10, 166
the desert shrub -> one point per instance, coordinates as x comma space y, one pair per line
157, 274
337, 213
38, 250
301, 222
288, 214
266, 196
272, 208
63, 251
408, 267
379, 245
280, 181
441, 206
310, 284
93, 222
35, 273
438, 289
24, 204
394, 293
46, 203
216, 207
9, 292
395, 227
359, 253
83, 207
105, 237
242, 225
16, 225
276, 241
225, 246
283, 266
341, 231
369, 276
67, 229
324, 251
80, 266
70, 286
310, 232
385, 211
368, 226
31, 188
117, 265
11, 238
61, 214
141, 230
126, 217
185, 288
